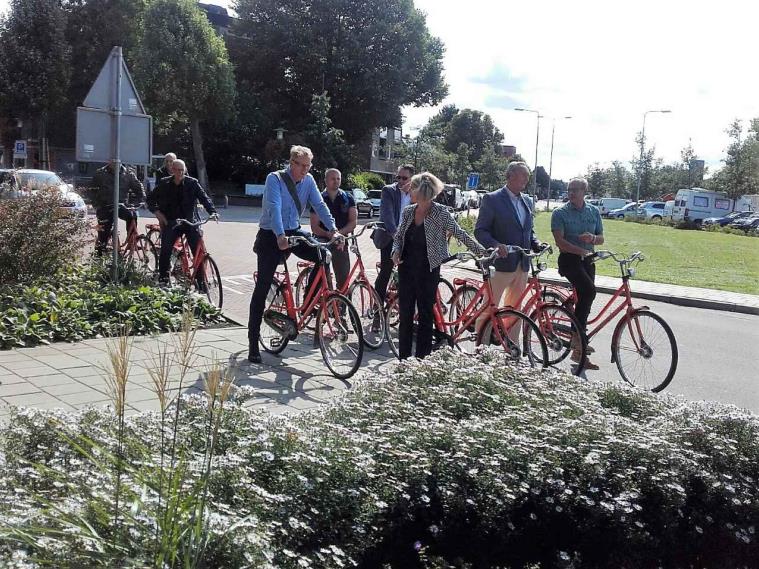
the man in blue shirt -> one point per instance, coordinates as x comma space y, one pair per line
577, 227
342, 206
286, 195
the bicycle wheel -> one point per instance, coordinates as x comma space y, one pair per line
645, 350
208, 282
299, 288
533, 352
154, 236
143, 255
341, 341
392, 323
562, 334
445, 292
274, 340
367, 303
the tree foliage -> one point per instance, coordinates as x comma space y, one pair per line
740, 174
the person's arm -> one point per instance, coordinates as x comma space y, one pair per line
316, 228
348, 228
557, 228
485, 218
386, 210
599, 233
202, 196
153, 205
272, 202
318, 205
152, 199
136, 187
401, 233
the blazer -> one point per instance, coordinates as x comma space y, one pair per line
179, 201
438, 223
390, 210
498, 223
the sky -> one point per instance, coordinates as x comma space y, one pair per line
604, 63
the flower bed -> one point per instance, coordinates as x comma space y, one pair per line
452, 462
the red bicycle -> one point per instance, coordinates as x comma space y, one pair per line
338, 326
136, 248
556, 322
197, 269
357, 288
643, 345
500, 328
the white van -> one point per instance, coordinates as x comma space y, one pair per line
696, 204
605, 205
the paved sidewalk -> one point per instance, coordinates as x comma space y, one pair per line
70, 376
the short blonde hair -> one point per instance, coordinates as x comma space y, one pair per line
301, 152
426, 185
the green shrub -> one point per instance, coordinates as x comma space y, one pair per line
36, 237
731, 230
467, 223
80, 302
456, 461
366, 181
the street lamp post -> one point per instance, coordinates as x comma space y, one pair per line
537, 139
642, 147
550, 161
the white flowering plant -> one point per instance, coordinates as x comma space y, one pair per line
455, 461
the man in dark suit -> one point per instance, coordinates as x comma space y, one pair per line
177, 198
394, 198
505, 218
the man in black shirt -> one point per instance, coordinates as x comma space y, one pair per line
342, 206
177, 198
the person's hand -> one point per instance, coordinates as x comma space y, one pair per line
397, 258
542, 247
503, 250
283, 243
587, 237
215, 217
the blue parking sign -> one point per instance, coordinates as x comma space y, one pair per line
473, 181
19, 149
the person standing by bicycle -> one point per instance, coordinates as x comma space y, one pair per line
131, 191
286, 193
505, 218
576, 228
165, 170
420, 246
394, 198
342, 206
177, 198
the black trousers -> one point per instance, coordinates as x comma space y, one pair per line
105, 221
168, 236
386, 270
582, 274
269, 256
417, 286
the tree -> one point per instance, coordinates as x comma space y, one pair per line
325, 141
184, 71
34, 63
492, 169
740, 174
371, 58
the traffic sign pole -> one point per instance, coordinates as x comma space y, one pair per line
116, 145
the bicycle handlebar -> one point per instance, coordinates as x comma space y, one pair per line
370, 225
604, 254
294, 240
180, 222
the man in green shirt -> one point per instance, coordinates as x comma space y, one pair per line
576, 228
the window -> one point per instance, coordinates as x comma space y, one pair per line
700, 201
658, 206
722, 204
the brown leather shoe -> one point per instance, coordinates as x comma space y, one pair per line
589, 365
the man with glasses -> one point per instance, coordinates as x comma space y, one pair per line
287, 194
577, 228
395, 197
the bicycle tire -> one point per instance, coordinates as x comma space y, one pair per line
143, 255
392, 322
342, 323
154, 236
299, 287
367, 303
530, 334
559, 326
445, 292
269, 338
648, 323
208, 282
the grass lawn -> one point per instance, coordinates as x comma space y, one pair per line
676, 256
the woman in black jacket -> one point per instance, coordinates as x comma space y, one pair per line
419, 248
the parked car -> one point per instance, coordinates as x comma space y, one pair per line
651, 210
606, 205
668, 207
470, 198
363, 205
24, 182
375, 197
629, 210
750, 223
727, 219
697, 204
